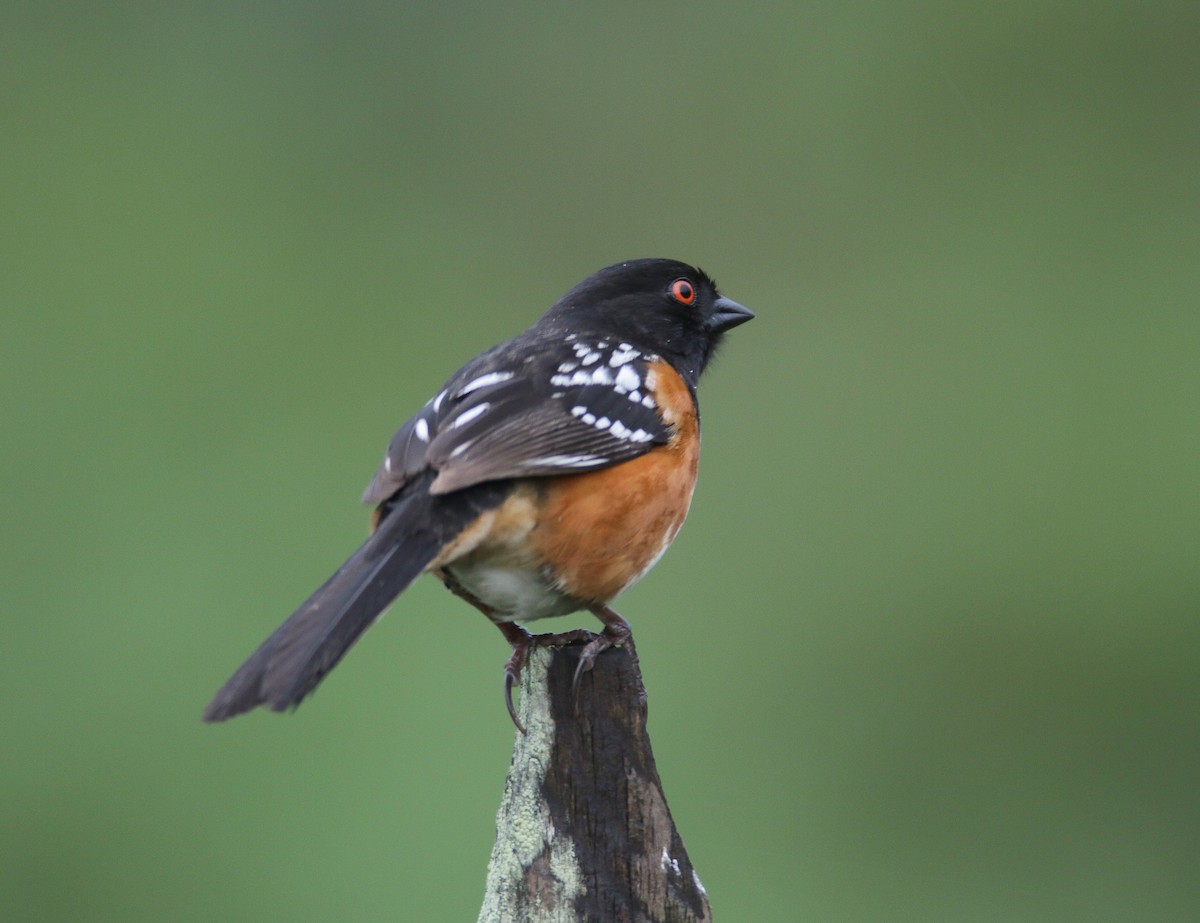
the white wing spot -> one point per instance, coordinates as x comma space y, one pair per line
640, 435
603, 423
648, 402
485, 381
437, 401
591, 358
468, 415
568, 366
628, 378
623, 354
460, 448
578, 411
421, 429
600, 375
387, 463
589, 418
567, 461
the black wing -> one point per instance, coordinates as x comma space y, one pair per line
527, 409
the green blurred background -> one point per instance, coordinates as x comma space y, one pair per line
928, 648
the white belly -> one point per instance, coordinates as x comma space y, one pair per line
516, 594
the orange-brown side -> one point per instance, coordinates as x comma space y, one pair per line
602, 530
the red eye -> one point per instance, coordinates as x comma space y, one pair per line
683, 291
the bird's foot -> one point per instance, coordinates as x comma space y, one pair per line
616, 633
521, 642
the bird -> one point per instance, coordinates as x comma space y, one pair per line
545, 477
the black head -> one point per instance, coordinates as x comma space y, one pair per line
662, 306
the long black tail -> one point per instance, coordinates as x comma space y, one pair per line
414, 528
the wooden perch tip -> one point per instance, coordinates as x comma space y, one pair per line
584, 832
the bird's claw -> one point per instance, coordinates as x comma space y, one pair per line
616, 633
512, 676
587, 658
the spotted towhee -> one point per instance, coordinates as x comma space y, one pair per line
548, 474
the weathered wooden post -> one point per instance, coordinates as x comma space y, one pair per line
584, 833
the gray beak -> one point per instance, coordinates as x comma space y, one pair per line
727, 314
